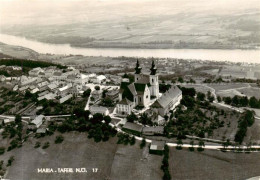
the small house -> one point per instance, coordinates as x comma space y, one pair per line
99, 109
133, 128
150, 131
157, 147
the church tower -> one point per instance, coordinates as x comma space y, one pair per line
138, 70
154, 81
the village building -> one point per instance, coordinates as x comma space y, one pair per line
35, 72
112, 94
156, 130
99, 79
65, 98
8, 120
2, 78
124, 107
96, 94
41, 130
168, 101
141, 91
157, 147
38, 120
99, 109
64, 90
135, 129
52, 86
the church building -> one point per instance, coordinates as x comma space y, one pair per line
140, 92
145, 88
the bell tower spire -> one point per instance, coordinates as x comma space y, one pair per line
154, 81
153, 69
138, 69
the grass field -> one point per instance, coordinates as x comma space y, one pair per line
219, 87
250, 91
213, 165
198, 88
113, 161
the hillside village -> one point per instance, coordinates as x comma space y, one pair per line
61, 85
39, 100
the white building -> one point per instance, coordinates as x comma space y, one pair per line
63, 99
139, 92
168, 101
124, 107
38, 121
35, 72
99, 79
64, 90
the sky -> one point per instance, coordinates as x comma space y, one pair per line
45, 12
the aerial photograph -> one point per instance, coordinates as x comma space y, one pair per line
129, 90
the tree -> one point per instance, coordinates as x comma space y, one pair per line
188, 101
28, 94
97, 118
45, 145
208, 94
79, 112
188, 91
59, 139
167, 175
179, 144
254, 103
10, 161
227, 100
142, 145
219, 98
201, 145
97, 88
18, 119
249, 117
132, 140
104, 93
180, 79
144, 119
37, 144
200, 96
86, 93
107, 102
107, 119
131, 117
192, 144
211, 98
2, 150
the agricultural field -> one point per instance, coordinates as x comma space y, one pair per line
221, 87
250, 91
17, 51
183, 26
214, 165
232, 89
198, 88
113, 161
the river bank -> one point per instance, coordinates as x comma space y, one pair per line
237, 55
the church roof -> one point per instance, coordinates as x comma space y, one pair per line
167, 97
139, 87
132, 89
125, 101
126, 91
143, 79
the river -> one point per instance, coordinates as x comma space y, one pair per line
237, 55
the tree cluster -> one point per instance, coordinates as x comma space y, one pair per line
125, 139
242, 101
165, 164
247, 120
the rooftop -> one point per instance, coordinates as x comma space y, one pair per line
133, 126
